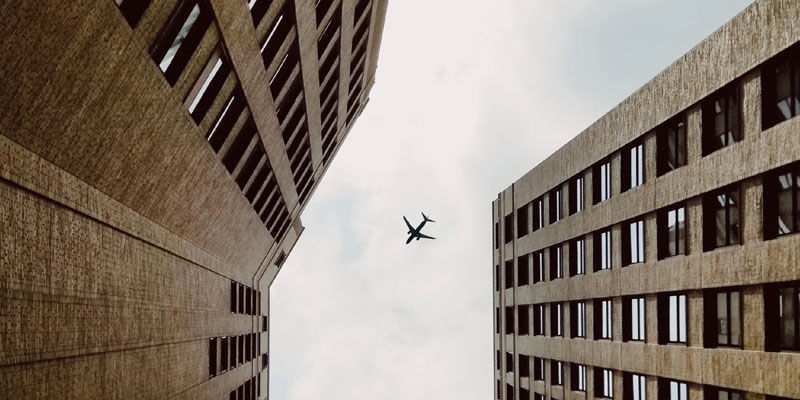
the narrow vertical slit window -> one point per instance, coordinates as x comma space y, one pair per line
556, 262
602, 250
576, 195
180, 37
577, 257
602, 319
556, 373
208, 86
601, 181
556, 323
721, 218
632, 167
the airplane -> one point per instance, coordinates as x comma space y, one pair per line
415, 233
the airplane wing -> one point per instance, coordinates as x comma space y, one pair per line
425, 236
410, 228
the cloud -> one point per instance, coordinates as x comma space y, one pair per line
469, 96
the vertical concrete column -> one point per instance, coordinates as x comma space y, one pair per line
616, 176
753, 318
564, 199
588, 253
617, 246
547, 320
616, 321
618, 384
650, 152
694, 316
650, 238
651, 383
651, 319
752, 197
694, 134
589, 318
546, 264
751, 105
546, 208
694, 220
590, 377
587, 188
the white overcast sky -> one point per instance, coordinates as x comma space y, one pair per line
469, 96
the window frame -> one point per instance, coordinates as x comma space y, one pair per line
577, 196
556, 320
634, 386
600, 251
731, 99
556, 261
169, 34
601, 181
578, 378
664, 235
604, 383
603, 319
675, 127
632, 155
577, 256
538, 320
538, 266
770, 114
556, 373
711, 207
772, 192
577, 315
633, 243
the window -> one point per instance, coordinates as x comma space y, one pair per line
601, 181
497, 320
672, 390
555, 205
538, 368
509, 228
577, 257
496, 235
497, 278
224, 349
780, 88
714, 393
538, 396
208, 86
538, 214
524, 393
671, 145
723, 318
555, 320
721, 113
602, 250
523, 321
633, 242
538, 266
577, 319
781, 200
538, 319
671, 231
509, 362
633, 320
603, 383
132, 10
782, 316
180, 37
509, 391
672, 318
233, 297
258, 8
498, 359
234, 359
602, 319
212, 357
634, 387
522, 270
721, 218
509, 320
522, 221
632, 168
576, 196
578, 377
509, 270
556, 262
524, 366
556, 373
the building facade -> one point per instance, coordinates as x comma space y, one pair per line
155, 158
656, 255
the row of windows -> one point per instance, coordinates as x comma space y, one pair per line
721, 127
723, 316
228, 352
721, 226
249, 390
634, 386
233, 134
244, 300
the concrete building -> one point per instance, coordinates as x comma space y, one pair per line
656, 255
155, 158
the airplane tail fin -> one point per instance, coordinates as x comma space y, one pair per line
426, 218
